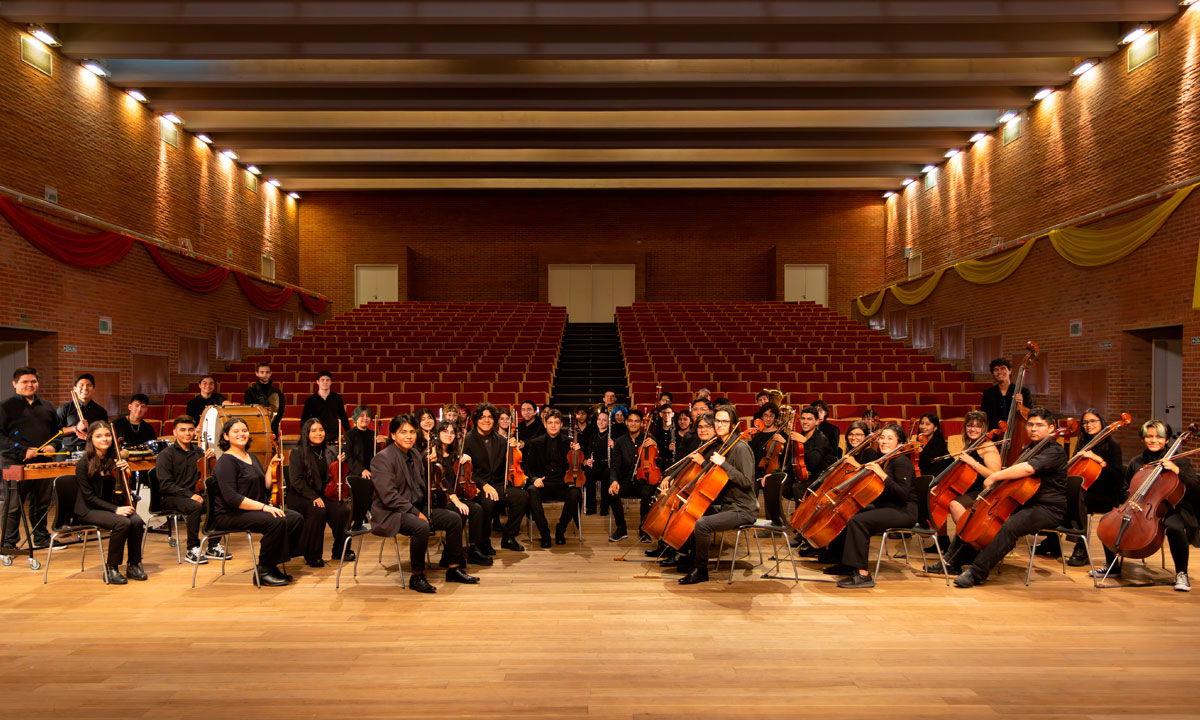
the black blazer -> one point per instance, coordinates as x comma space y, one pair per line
397, 491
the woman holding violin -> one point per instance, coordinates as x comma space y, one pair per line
94, 475
445, 456
932, 460
1108, 490
308, 475
768, 412
895, 507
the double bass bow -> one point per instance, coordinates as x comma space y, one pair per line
830, 478
1088, 467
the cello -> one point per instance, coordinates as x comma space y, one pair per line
668, 501
1017, 437
1135, 530
957, 478
696, 497
994, 505
844, 501
833, 476
1087, 467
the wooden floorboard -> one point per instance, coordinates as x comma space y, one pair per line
568, 632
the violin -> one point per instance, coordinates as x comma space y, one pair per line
957, 478
1136, 529
437, 494
834, 475
204, 465
697, 496
913, 427
844, 501
773, 458
648, 470
1089, 468
994, 505
338, 486
575, 474
513, 474
463, 484
668, 501
1017, 436
799, 469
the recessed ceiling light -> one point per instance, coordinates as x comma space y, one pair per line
1137, 32
1185, 3
204, 139
978, 136
172, 117
294, 195
96, 68
229, 154
274, 182
253, 170
1084, 66
137, 95
43, 35
951, 152
1043, 94
907, 181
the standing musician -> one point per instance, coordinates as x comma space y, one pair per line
308, 474
984, 460
486, 447
398, 474
663, 432
94, 472
360, 444
326, 405
130, 428
531, 425
608, 404
621, 475
1180, 523
768, 412
895, 507
599, 450
445, 454
545, 464
996, 400
262, 392
1042, 511
74, 428
27, 422
1108, 491
616, 422
737, 504
242, 502
208, 396
177, 470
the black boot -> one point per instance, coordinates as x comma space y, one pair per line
475, 557
114, 575
697, 575
1079, 556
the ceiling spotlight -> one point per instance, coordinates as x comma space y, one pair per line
907, 181
43, 35
1043, 94
137, 95
253, 170
1185, 3
951, 152
978, 136
1137, 32
204, 139
1007, 116
888, 194
1084, 66
928, 168
294, 195
274, 182
172, 117
96, 68
229, 154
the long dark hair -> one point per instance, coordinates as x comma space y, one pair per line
314, 455
1085, 438
223, 442
437, 437
97, 463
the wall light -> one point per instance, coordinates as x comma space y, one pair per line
1084, 66
204, 139
294, 195
96, 68
977, 137
43, 35
888, 194
274, 182
253, 170
928, 168
229, 154
951, 152
172, 117
907, 181
1185, 3
1138, 31
137, 95
1043, 94
1008, 115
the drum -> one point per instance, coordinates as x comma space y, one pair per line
258, 419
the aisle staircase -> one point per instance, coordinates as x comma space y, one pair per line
590, 361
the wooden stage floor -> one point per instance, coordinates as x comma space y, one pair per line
568, 632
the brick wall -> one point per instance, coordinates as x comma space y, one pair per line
496, 245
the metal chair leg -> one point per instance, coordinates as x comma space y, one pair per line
83, 550
1032, 554
178, 545
50, 554
737, 536
253, 560
196, 567
879, 555
358, 554
337, 582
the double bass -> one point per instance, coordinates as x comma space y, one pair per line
696, 497
1017, 437
957, 478
833, 476
1135, 530
1089, 468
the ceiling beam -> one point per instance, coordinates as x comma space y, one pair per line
589, 170
488, 183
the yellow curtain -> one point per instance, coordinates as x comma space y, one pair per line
912, 297
1092, 248
986, 272
868, 311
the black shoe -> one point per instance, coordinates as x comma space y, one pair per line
114, 575
657, 551
603, 513
280, 572
270, 577
486, 548
839, 569
545, 541
477, 558
1079, 557
618, 535
936, 569
643, 537
456, 574
419, 584
697, 575
512, 544
134, 571
350, 556
857, 580
966, 579
589, 511
670, 558
317, 563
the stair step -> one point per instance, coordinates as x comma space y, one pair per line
590, 363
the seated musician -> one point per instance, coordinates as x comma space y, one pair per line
583, 430
74, 428
667, 556
401, 495
817, 453
1108, 491
930, 427
487, 448
263, 392
178, 472
997, 400
503, 423
445, 454
426, 425
621, 475
326, 405
737, 503
688, 443
308, 474
1180, 523
94, 473
768, 412
545, 464
130, 428
826, 428
895, 507
242, 502
870, 418
1044, 510
599, 450
27, 422
531, 424
208, 396
984, 460
360, 443
856, 435
663, 431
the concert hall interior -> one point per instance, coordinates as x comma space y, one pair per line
852, 350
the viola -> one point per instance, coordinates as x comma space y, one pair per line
773, 458
338, 486
463, 484
676, 477
1017, 436
994, 505
799, 469
1089, 468
648, 470
844, 501
514, 474
575, 474
1136, 529
957, 479
697, 496
204, 465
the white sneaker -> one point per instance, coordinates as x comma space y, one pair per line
217, 552
1104, 570
1181, 582
194, 557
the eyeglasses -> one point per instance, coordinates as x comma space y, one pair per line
722, 422
1093, 421
703, 426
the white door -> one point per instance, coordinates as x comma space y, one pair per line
376, 283
591, 293
612, 287
1168, 382
12, 356
806, 282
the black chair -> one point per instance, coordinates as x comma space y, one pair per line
921, 529
772, 503
1075, 525
64, 491
210, 531
360, 497
156, 511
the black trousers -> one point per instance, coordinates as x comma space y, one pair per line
37, 492
473, 520
418, 531
312, 540
708, 525
280, 535
1026, 520
597, 487
124, 531
1177, 541
515, 502
855, 540
553, 489
191, 511
645, 493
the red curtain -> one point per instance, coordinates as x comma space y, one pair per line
262, 299
204, 282
85, 250
315, 305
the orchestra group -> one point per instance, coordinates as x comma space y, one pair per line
475, 473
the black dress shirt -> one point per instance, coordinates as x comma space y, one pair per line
196, 406
67, 417
330, 411
25, 424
